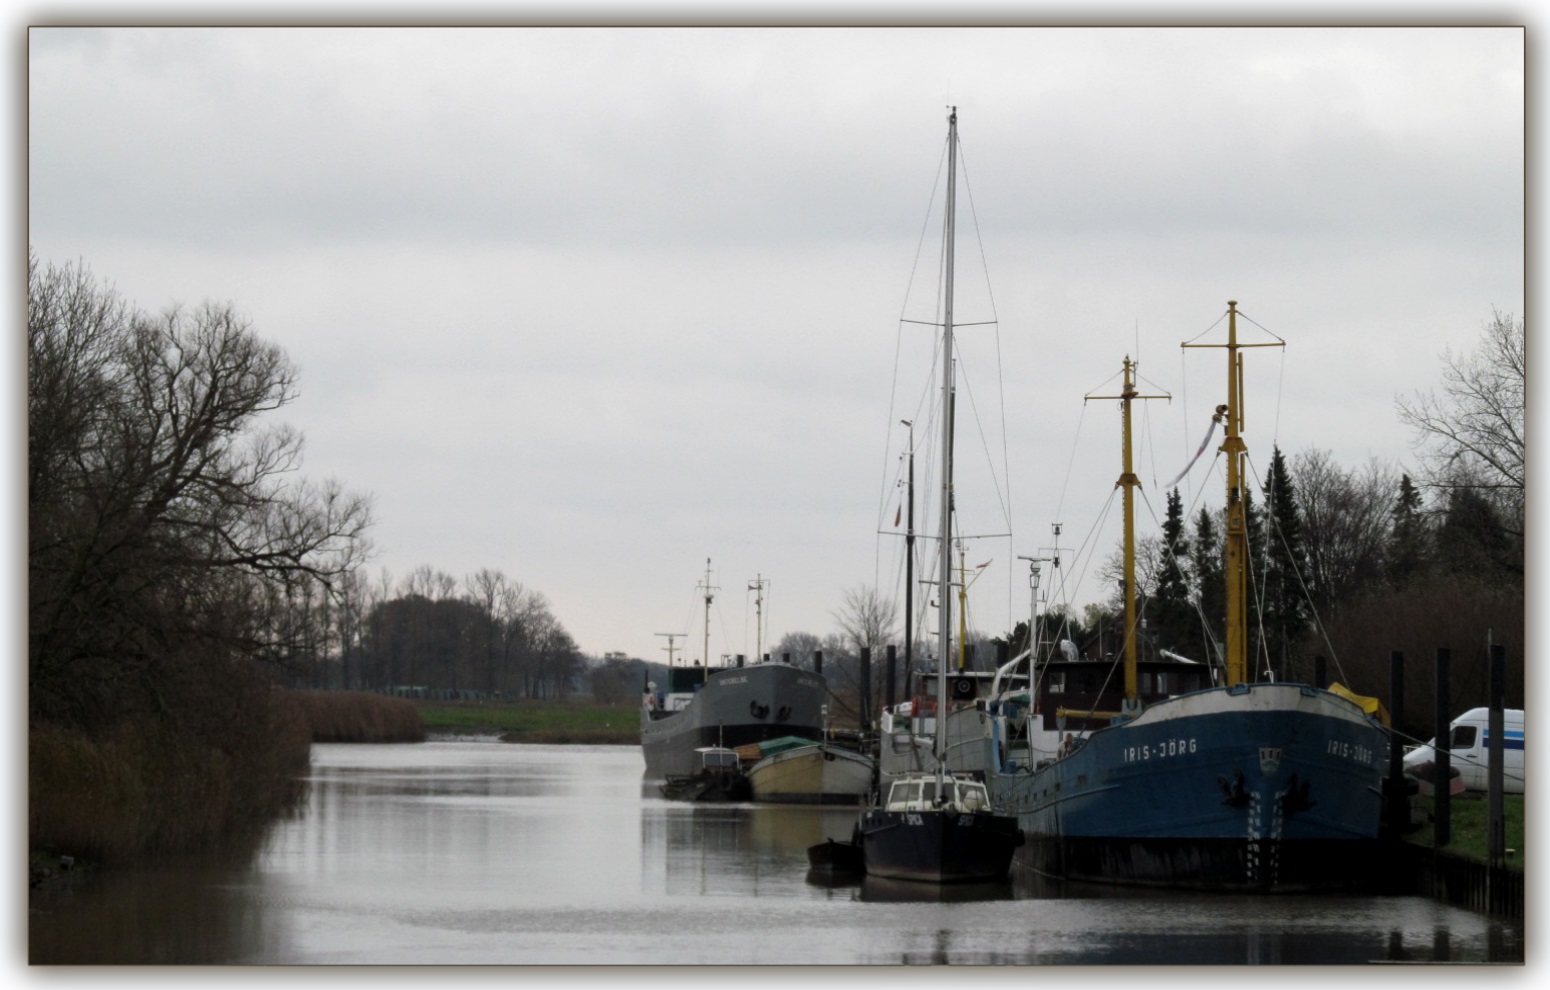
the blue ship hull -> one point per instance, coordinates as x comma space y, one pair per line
1264, 786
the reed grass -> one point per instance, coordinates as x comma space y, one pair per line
358, 716
537, 721
154, 787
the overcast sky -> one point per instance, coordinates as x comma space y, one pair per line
592, 305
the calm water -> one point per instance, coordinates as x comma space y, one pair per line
479, 852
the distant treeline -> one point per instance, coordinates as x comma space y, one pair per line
431, 635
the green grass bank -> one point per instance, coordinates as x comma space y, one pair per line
1467, 815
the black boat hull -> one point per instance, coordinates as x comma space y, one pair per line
836, 858
708, 785
938, 846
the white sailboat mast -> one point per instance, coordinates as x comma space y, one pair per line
944, 587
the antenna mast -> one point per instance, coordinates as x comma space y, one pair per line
670, 648
710, 596
757, 586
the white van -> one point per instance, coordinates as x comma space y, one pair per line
1468, 747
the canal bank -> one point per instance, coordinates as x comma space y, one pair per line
1458, 881
1460, 872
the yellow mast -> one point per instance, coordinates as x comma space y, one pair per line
1129, 483
1236, 566
963, 606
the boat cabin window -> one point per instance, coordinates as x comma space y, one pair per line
904, 793
722, 759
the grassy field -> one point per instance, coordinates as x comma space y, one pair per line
536, 721
1467, 816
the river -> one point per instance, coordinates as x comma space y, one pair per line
472, 851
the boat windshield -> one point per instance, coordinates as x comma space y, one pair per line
921, 795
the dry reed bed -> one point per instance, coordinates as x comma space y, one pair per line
166, 786
154, 787
358, 716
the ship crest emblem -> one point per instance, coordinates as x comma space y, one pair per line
1269, 759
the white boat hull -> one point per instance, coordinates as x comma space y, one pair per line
814, 774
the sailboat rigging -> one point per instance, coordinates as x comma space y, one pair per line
938, 825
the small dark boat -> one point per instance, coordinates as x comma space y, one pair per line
832, 857
938, 828
719, 778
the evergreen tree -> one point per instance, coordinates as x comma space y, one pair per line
1473, 541
1254, 526
1170, 612
1285, 607
1209, 584
1409, 536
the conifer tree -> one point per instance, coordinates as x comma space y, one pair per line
1473, 541
1171, 611
1285, 607
1210, 589
1409, 536
1257, 566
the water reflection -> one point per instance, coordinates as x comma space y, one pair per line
187, 910
887, 891
488, 853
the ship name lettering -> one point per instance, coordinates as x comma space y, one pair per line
1361, 754
1161, 750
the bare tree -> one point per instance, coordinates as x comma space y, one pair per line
487, 590
1347, 518
800, 646
169, 533
866, 618
1472, 433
